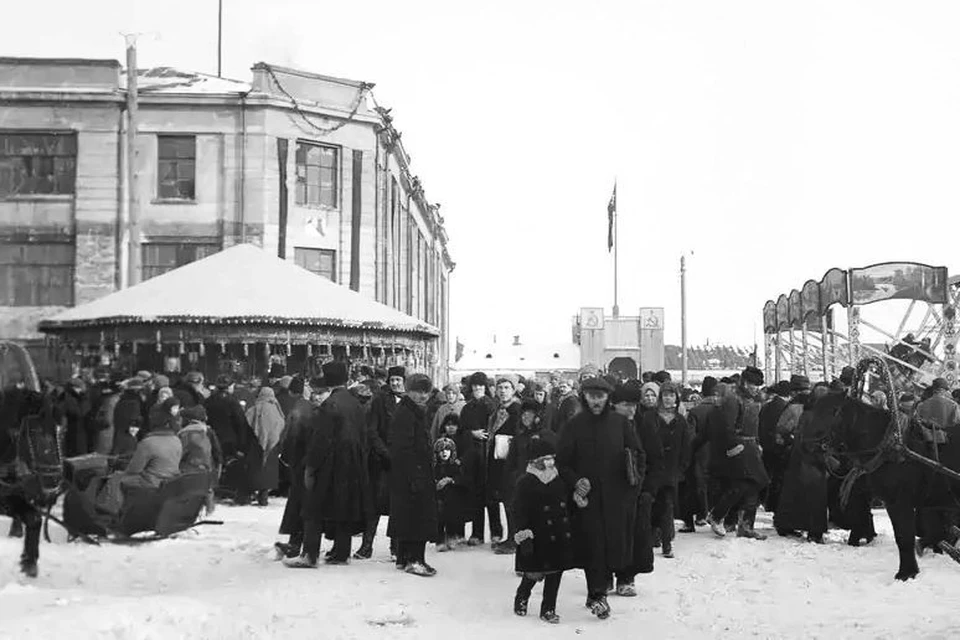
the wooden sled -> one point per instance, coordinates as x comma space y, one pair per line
163, 512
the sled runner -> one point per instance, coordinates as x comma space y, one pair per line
952, 550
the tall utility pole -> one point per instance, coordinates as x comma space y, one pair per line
683, 320
133, 216
219, 38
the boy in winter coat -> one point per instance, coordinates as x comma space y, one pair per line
451, 493
544, 535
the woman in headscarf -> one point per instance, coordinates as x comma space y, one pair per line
267, 421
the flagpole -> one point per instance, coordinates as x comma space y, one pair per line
616, 257
683, 320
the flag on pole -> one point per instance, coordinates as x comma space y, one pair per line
611, 212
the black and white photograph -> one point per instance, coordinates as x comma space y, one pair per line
432, 319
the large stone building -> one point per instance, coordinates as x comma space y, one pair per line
300, 163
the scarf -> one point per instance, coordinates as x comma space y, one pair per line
546, 476
502, 415
266, 419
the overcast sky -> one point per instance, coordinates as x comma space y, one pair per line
774, 140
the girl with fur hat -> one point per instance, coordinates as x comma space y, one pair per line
544, 534
451, 493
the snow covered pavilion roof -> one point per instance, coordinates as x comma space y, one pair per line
239, 285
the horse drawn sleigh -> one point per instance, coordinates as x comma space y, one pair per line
34, 475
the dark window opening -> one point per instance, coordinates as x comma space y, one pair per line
38, 164
176, 167
318, 175
36, 274
161, 257
319, 261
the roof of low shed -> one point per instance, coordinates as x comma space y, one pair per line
240, 285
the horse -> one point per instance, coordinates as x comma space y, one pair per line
29, 464
895, 462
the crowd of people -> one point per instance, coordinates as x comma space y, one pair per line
590, 473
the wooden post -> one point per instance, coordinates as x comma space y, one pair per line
133, 213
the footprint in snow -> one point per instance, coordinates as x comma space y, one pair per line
391, 617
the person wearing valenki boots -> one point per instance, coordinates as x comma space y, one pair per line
544, 535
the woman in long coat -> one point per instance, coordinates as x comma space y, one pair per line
592, 457
413, 491
267, 421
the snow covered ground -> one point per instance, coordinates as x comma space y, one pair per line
222, 582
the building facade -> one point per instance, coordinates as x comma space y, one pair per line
300, 163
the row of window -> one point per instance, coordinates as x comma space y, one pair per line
42, 274
46, 164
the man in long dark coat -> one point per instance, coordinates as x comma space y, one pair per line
695, 498
338, 500
735, 456
474, 419
625, 400
296, 439
776, 452
413, 491
593, 458
503, 422
379, 416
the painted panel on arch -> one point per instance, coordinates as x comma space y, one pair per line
898, 281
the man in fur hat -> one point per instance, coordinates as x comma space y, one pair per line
413, 489
380, 415
474, 418
737, 454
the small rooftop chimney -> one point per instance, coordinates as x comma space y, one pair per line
516, 341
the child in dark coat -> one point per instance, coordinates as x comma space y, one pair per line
451, 493
544, 536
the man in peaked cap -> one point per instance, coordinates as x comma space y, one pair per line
592, 458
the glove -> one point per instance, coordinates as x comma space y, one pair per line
582, 487
737, 450
442, 482
520, 536
580, 501
308, 480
